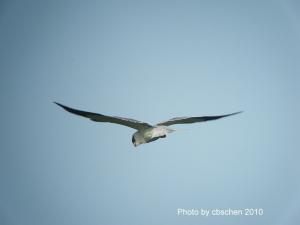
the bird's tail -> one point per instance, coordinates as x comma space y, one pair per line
182, 129
170, 130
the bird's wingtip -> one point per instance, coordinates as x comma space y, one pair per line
57, 103
61, 105
237, 112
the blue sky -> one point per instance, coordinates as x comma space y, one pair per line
151, 61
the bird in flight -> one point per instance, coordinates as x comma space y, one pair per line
145, 132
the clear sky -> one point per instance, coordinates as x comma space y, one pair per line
151, 61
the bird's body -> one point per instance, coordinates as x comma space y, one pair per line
150, 134
145, 132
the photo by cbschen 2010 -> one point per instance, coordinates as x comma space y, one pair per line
145, 132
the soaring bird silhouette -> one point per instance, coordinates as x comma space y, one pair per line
145, 132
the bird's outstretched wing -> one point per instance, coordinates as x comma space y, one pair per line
183, 120
135, 124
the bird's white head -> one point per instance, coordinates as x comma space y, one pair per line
137, 139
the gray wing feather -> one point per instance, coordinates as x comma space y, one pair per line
135, 124
185, 120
